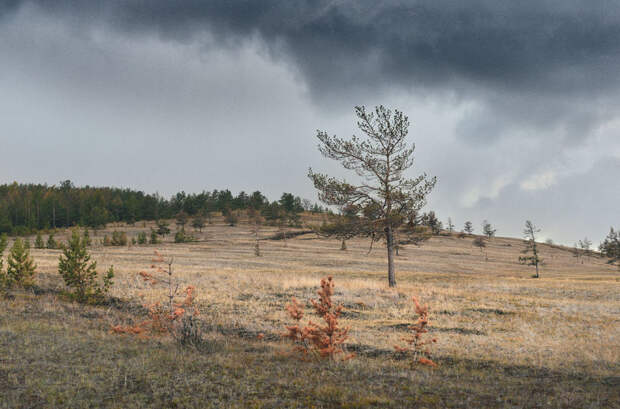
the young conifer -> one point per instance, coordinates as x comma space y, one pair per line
20, 266
38, 242
80, 273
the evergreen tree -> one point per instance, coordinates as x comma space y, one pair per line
154, 239
430, 220
80, 274
162, 228
488, 230
343, 227
381, 160
5, 222
142, 238
256, 220
20, 266
231, 217
51, 242
181, 219
38, 242
610, 247
468, 228
199, 221
529, 233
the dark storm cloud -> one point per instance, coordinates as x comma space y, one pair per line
560, 46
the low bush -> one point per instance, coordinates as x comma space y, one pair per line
182, 237
313, 340
418, 345
177, 316
142, 237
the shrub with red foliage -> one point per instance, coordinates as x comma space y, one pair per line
418, 344
314, 340
170, 319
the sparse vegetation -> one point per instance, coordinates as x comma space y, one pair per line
500, 335
481, 243
182, 236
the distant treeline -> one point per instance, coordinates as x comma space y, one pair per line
25, 208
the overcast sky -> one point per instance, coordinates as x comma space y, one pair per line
514, 105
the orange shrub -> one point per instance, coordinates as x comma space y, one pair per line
417, 343
172, 317
314, 340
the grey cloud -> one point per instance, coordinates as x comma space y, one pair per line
561, 46
539, 63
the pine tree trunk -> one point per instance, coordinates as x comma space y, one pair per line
344, 245
390, 253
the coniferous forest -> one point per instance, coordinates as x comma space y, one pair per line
25, 208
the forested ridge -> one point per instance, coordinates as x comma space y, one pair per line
28, 207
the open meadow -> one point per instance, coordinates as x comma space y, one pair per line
503, 338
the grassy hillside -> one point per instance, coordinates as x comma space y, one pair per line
504, 339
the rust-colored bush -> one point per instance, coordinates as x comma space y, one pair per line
314, 340
418, 344
170, 317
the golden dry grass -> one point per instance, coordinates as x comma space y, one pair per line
504, 339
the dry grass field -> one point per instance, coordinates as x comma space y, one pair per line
504, 339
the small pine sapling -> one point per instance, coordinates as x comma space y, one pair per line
256, 219
199, 221
20, 269
38, 242
417, 343
51, 242
314, 340
162, 228
142, 238
153, 238
80, 274
170, 317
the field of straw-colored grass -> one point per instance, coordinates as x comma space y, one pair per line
504, 338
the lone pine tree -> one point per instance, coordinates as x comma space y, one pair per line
380, 160
529, 233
